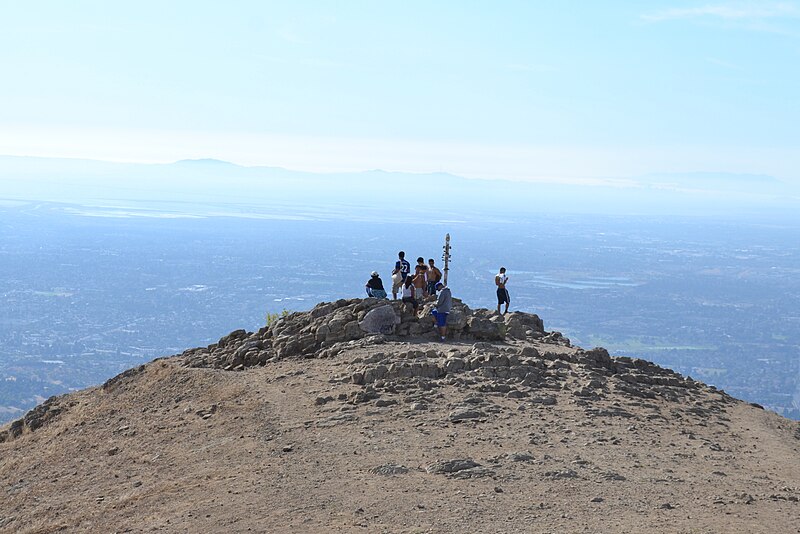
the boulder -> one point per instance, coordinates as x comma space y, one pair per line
352, 330
521, 325
482, 328
457, 319
451, 466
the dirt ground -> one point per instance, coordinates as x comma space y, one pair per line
295, 446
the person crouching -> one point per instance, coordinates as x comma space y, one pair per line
443, 305
375, 287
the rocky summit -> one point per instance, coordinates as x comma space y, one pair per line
353, 417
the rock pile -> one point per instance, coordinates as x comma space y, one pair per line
495, 357
34, 419
509, 357
331, 327
514, 371
497, 361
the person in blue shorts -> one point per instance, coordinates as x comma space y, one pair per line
443, 305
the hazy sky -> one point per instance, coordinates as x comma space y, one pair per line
526, 90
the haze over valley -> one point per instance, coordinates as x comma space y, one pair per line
94, 288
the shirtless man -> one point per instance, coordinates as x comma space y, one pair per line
434, 277
421, 279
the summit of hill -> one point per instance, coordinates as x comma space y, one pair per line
355, 417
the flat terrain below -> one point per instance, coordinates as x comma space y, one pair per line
298, 445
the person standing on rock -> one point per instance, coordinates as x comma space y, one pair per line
420, 266
434, 277
401, 268
420, 280
502, 293
443, 305
375, 286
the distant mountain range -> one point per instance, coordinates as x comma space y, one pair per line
215, 181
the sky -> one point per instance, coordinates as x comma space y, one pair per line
521, 90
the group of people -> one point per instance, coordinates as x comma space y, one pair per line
422, 284
413, 289
427, 282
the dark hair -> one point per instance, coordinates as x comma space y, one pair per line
409, 280
430, 260
421, 259
502, 269
401, 254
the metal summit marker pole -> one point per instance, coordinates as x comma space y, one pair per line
446, 256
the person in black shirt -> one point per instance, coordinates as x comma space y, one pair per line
375, 286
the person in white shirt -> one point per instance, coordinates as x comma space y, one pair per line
502, 293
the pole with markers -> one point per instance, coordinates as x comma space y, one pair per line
446, 256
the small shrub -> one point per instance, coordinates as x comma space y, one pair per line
272, 317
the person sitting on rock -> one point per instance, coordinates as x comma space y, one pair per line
408, 294
375, 286
443, 305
